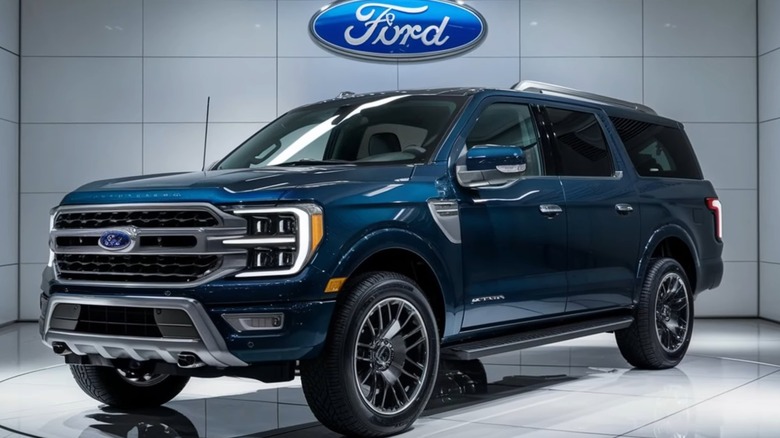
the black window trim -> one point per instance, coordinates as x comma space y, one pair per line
459, 141
600, 115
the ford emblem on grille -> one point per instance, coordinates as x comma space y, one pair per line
115, 240
398, 29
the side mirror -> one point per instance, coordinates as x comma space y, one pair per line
489, 165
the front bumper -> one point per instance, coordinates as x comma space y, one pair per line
216, 343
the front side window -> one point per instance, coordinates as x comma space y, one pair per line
509, 124
580, 143
373, 129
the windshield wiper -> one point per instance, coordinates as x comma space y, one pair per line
312, 162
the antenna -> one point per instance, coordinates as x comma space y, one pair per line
206, 137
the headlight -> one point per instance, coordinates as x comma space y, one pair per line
280, 240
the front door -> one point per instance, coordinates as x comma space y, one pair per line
603, 213
513, 237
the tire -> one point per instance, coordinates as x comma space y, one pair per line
125, 389
663, 322
343, 390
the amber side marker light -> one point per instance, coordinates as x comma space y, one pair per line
316, 230
335, 285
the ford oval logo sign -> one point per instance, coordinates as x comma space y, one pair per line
398, 29
115, 240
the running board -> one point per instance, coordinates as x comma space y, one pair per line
534, 338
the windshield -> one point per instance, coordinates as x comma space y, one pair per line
374, 129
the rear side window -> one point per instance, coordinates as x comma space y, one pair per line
658, 151
580, 143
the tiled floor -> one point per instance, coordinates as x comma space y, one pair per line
728, 386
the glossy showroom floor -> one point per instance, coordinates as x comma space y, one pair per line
728, 386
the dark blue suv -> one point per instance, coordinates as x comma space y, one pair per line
361, 240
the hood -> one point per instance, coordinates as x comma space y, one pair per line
237, 186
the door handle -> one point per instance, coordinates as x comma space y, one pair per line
624, 208
550, 210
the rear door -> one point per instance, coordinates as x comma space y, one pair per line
602, 209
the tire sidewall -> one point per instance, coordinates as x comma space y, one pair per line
652, 289
390, 288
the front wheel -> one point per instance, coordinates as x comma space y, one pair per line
379, 366
663, 324
127, 389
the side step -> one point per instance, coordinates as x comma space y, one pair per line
534, 338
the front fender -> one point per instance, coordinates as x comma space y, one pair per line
373, 242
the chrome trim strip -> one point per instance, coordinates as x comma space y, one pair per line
211, 347
250, 241
446, 214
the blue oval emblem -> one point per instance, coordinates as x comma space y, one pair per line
398, 29
115, 240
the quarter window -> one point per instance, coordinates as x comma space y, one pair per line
509, 124
658, 151
580, 143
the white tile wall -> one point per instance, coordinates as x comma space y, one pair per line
702, 89
178, 147
305, 80
769, 84
736, 296
9, 291
725, 153
293, 37
698, 28
459, 72
9, 86
9, 26
58, 152
241, 89
769, 183
82, 28
30, 288
768, 30
769, 156
173, 147
770, 291
209, 28
34, 229
150, 65
81, 90
9, 194
581, 28
740, 225
618, 77
503, 37
9, 160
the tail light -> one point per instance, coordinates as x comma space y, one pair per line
714, 205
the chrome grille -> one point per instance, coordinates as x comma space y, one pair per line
140, 219
170, 245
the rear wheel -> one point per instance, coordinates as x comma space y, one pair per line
379, 366
127, 388
663, 324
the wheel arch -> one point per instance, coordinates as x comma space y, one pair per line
406, 253
674, 242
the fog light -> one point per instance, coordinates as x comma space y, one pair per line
243, 322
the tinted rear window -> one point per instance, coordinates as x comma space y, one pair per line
658, 151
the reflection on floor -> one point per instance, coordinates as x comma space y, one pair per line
728, 386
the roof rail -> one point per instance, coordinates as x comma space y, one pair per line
557, 90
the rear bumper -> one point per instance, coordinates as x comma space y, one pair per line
710, 274
217, 343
